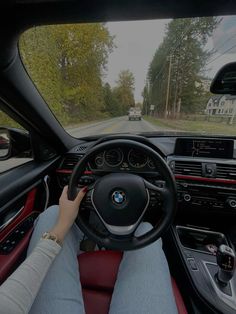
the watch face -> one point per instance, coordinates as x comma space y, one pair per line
49, 236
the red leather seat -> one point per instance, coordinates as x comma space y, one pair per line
98, 271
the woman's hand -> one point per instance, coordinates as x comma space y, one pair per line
68, 211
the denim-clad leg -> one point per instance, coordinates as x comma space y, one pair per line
143, 284
60, 292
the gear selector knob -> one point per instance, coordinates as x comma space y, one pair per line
225, 257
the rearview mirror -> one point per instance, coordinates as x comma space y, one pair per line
4, 144
224, 81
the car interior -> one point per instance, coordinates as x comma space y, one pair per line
183, 184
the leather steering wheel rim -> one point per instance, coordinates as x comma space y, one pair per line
169, 195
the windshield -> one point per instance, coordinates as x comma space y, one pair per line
134, 77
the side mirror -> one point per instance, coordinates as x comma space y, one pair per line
224, 81
14, 142
4, 144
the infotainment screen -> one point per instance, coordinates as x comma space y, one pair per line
209, 148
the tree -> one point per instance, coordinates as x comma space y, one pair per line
124, 91
111, 103
145, 96
67, 64
183, 52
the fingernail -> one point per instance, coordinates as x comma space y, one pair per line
85, 189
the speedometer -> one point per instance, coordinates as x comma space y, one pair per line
114, 157
137, 159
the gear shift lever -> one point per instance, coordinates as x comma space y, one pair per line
225, 257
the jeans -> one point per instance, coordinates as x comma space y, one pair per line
143, 284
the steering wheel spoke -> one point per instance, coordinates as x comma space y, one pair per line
160, 189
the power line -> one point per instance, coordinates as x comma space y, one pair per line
171, 52
160, 72
221, 55
228, 39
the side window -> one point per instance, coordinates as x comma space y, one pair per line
7, 122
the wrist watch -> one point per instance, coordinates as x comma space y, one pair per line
50, 236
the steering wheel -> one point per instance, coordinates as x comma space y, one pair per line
121, 199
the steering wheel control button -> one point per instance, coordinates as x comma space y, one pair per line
155, 199
118, 197
160, 183
86, 180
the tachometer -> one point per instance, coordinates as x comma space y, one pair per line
99, 160
151, 163
114, 157
137, 159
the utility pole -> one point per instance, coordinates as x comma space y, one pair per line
176, 89
168, 87
147, 100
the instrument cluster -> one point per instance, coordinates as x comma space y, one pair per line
122, 159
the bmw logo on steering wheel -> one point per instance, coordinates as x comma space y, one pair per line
118, 197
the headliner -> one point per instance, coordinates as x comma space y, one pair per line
18, 15
48, 11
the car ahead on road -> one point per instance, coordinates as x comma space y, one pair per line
183, 184
134, 114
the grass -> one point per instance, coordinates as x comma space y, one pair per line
204, 127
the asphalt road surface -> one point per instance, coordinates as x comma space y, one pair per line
115, 125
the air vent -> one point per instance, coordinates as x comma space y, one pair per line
70, 161
226, 171
188, 168
81, 148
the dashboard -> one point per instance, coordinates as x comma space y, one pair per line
205, 174
204, 168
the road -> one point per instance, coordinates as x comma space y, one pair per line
115, 125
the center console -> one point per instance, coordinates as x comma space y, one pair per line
205, 173
199, 249
212, 194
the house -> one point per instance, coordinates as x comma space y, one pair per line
221, 105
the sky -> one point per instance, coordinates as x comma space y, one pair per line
137, 41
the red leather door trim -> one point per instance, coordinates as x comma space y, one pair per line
9, 262
28, 209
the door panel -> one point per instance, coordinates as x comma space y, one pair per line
21, 203
15, 182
